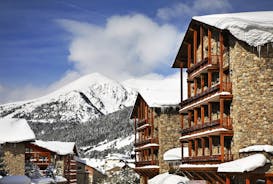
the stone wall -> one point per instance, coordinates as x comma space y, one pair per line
252, 88
168, 120
14, 158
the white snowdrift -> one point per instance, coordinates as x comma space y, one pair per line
255, 28
167, 178
175, 154
61, 148
246, 164
257, 148
15, 130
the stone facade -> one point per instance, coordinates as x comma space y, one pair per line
252, 89
14, 158
168, 120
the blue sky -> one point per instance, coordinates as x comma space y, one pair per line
45, 44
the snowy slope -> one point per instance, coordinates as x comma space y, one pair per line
86, 98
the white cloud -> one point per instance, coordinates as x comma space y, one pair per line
196, 7
131, 45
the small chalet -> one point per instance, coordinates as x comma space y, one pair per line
228, 59
156, 131
87, 173
56, 153
15, 134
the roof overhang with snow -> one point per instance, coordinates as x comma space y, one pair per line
58, 147
257, 148
254, 28
175, 154
242, 165
15, 130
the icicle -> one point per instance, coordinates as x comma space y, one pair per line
259, 50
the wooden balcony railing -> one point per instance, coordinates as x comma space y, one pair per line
147, 162
227, 86
210, 159
141, 122
198, 97
139, 143
227, 123
214, 61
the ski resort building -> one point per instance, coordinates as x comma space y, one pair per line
56, 153
14, 135
226, 118
156, 131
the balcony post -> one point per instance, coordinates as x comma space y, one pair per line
196, 147
190, 148
221, 111
221, 61
203, 146
189, 118
210, 111
210, 145
227, 179
195, 86
201, 42
202, 83
194, 46
152, 153
195, 116
189, 89
189, 56
248, 180
209, 78
181, 83
152, 120
209, 46
222, 144
202, 114
135, 130
182, 151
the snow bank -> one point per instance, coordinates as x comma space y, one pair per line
61, 148
257, 148
15, 130
246, 164
255, 28
15, 180
175, 154
167, 178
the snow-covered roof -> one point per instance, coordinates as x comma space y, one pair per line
175, 154
15, 130
61, 148
149, 167
257, 148
91, 162
246, 164
255, 28
167, 178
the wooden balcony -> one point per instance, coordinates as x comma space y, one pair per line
205, 63
139, 143
141, 122
145, 163
227, 123
207, 159
200, 96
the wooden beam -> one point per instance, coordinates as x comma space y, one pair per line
189, 118
202, 42
221, 61
189, 55
189, 89
209, 78
202, 114
221, 112
195, 47
248, 180
221, 180
209, 46
198, 175
195, 86
211, 179
181, 83
190, 148
222, 144
195, 116
210, 145
227, 179
210, 111
152, 122
202, 83
196, 147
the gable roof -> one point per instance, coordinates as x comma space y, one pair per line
15, 130
254, 28
61, 148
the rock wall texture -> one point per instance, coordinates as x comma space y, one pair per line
252, 89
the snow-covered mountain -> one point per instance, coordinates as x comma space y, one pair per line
84, 99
